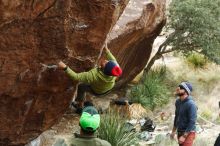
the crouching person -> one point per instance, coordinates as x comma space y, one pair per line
89, 123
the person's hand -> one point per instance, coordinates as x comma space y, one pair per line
62, 65
181, 139
172, 135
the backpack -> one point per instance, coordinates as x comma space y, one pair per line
148, 125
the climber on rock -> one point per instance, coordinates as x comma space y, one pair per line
98, 81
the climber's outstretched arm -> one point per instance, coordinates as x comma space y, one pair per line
85, 77
109, 55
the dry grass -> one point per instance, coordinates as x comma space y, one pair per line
138, 112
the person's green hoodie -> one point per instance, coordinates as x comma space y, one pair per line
99, 82
81, 141
88, 142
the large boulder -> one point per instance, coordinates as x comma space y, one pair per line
36, 33
133, 35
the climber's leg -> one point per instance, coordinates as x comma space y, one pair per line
80, 98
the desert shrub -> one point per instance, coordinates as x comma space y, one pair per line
197, 60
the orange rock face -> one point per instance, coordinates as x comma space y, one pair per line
36, 33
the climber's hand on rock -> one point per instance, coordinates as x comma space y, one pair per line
62, 65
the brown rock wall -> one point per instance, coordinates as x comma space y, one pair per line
32, 97
35, 32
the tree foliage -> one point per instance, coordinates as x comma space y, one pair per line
194, 25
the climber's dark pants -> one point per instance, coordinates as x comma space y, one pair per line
81, 92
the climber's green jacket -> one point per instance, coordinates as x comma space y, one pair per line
99, 82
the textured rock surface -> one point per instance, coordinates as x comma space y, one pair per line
33, 97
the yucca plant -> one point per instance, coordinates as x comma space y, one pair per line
152, 91
113, 129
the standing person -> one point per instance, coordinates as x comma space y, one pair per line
97, 81
185, 115
89, 122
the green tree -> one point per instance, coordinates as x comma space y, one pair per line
194, 25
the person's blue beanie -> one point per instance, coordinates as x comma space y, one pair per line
112, 69
187, 86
